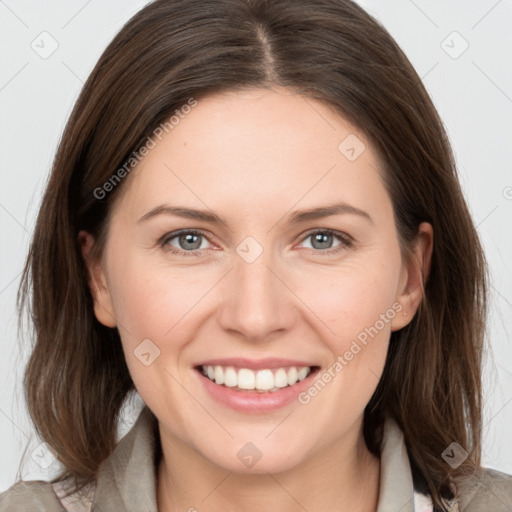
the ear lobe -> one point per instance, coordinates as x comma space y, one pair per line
416, 272
97, 282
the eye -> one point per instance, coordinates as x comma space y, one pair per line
185, 242
193, 242
322, 241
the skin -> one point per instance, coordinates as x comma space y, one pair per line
253, 157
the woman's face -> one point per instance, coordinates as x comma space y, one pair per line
293, 267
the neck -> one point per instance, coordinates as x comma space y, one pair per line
344, 477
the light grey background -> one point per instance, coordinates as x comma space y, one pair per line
472, 89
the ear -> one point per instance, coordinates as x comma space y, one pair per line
103, 309
414, 275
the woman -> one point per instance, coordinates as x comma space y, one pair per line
318, 344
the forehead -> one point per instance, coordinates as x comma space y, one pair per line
256, 149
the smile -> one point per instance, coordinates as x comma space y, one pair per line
262, 380
255, 386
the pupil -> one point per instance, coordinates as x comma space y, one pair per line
323, 240
189, 239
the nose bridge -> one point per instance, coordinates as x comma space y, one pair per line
256, 302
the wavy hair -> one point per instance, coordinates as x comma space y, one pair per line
330, 50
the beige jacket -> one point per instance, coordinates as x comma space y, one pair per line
127, 482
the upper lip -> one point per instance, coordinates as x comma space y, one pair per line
254, 364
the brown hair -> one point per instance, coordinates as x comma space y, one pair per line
329, 50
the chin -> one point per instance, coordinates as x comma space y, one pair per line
255, 459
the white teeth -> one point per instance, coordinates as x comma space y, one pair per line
264, 379
246, 379
230, 379
292, 376
219, 375
302, 373
280, 380
260, 380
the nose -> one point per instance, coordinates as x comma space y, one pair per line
257, 303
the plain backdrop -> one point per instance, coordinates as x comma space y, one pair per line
463, 52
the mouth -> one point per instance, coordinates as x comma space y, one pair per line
255, 386
261, 380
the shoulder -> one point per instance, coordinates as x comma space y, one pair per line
489, 491
39, 496
36, 496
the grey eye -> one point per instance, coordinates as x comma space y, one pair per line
190, 241
321, 240
187, 241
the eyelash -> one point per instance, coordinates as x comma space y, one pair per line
346, 242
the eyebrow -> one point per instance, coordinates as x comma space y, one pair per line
297, 217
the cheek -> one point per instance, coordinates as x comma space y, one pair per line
151, 304
152, 300
350, 300
358, 312
356, 304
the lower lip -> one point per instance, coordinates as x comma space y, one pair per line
254, 401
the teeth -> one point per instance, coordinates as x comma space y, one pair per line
260, 380
302, 373
246, 379
280, 379
230, 378
291, 377
264, 379
219, 375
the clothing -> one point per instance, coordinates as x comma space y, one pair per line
127, 481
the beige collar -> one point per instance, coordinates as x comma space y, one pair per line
127, 479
